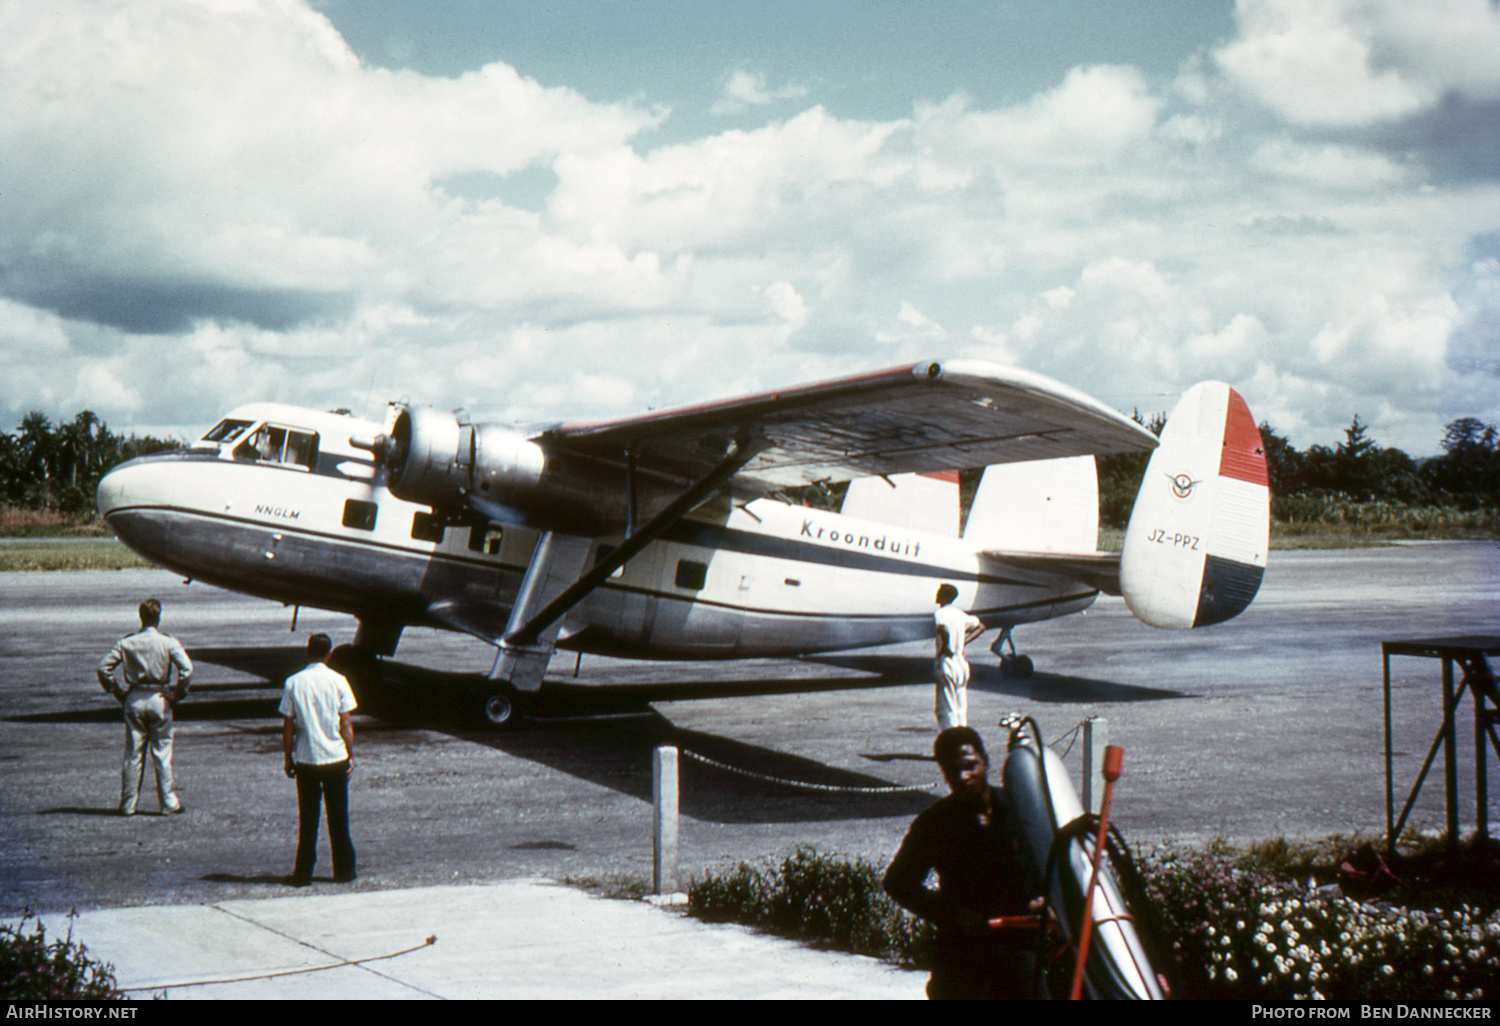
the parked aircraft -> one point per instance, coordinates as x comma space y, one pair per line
669, 534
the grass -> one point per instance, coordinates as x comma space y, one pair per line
53, 554
617, 886
48, 523
43, 539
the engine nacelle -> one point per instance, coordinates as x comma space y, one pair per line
434, 459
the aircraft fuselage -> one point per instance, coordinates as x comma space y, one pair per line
277, 502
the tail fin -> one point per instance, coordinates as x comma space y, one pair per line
1195, 549
1037, 506
923, 502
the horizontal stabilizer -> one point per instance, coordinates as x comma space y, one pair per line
1195, 549
1098, 570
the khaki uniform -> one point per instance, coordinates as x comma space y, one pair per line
147, 658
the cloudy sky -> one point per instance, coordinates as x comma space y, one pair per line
551, 210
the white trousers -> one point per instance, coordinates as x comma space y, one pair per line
148, 727
951, 702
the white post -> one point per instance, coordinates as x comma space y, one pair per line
664, 826
1095, 737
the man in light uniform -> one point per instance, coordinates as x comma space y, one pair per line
147, 656
955, 628
317, 738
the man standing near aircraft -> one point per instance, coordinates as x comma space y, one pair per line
147, 656
955, 628
317, 738
972, 840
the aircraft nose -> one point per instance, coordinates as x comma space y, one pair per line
113, 490
135, 483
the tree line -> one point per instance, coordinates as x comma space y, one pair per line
58, 466
1306, 482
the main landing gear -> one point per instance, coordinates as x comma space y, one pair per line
498, 704
359, 666
1015, 665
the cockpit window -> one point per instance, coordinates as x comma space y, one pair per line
225, 430
272, 444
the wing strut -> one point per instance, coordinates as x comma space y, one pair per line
526, 649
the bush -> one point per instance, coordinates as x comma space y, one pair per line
1240, 933
817, 898
32, 969
1253, 926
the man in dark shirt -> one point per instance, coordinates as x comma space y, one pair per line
973, 841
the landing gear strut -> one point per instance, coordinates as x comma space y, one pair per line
360, 667
1014, 665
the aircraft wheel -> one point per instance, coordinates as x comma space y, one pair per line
1017, 666
500, 709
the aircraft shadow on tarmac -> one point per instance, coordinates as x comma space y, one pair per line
197, 708
267, 668
1040, 687
273, 665
605, 734
741, 783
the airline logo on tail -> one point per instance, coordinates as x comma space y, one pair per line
1195, 550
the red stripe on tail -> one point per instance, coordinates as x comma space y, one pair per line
1244, 455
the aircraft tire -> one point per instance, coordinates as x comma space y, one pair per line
1018, 667
499, 708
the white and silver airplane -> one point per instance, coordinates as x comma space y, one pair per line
668, 534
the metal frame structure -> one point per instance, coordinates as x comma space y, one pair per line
1471, 654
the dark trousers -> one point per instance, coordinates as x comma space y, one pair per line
976, 971
320, 785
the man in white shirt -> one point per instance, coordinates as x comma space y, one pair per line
317, 737
955, 628
146, 659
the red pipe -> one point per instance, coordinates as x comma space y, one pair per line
1114, 755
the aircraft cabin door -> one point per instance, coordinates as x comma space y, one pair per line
632, 595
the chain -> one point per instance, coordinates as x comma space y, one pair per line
892, 789
1070, 737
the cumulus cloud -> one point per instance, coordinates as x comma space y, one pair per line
183, 160
209, 201
1351, 63
746, 88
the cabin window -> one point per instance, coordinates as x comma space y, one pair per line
426, 527
691, 575
224, 430
272, 444
360, 515
486, 538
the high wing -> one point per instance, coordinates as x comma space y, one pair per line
1100, 570
920, 417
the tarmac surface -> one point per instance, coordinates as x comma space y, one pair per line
1269, 725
